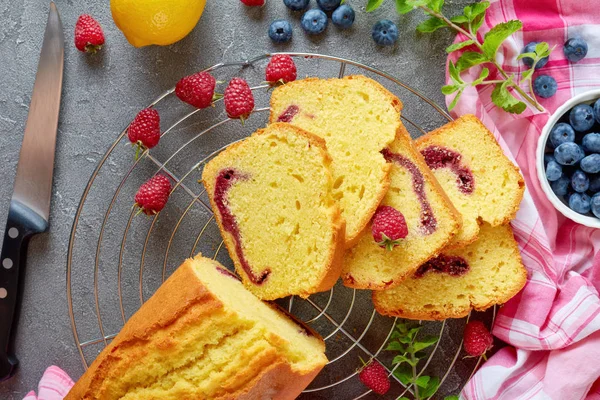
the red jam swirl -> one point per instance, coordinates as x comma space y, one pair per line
289, 114
428, 220
441, 157
226, 178
227, 272
451, 265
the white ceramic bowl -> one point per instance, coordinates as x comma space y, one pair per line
588, 220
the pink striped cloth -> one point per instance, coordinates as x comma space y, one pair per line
554, 323
54, 385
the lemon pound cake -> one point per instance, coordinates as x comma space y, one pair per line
358, 118
431, 220
483, 184
486, 272
203, 336
272, 198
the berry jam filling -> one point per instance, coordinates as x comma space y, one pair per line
227, 272
225, 179
440, 157
288, 114
451, 265
428, 221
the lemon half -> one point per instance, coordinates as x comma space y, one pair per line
161, 22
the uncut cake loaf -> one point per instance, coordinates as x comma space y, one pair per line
483, 184
431, 219
272, 198
486, 272
203, 336
358, 118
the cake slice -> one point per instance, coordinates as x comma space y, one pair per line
203, 336
272, 198
431, 219
358, 118
483, 184
486, 272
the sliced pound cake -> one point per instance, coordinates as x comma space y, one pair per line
203, 336
272, 198
483, 184
358, 118
486, 272
431, 219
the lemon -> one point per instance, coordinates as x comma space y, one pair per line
161, 22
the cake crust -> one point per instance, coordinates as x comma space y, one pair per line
183, 295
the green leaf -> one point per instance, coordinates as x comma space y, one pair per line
432, 386
523, 55
395, 346
404, 374
406, 6
402, 327
399, 359
542, 50
469, 59
459, 19
454, 73
525, 76
458, 46
423, 381
373, 5
476, 23
419, 355
453, 397
412, 332
449, 89
498, 34
479, 8
504, 99
428, 340
436, 5
484, 74
455, 100
431, 25
403, 398
468, 11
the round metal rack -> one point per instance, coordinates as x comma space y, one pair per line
116, 259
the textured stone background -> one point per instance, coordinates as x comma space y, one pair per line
102, 93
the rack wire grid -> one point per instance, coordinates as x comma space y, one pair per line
117, 260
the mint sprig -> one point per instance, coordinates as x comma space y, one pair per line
508, 92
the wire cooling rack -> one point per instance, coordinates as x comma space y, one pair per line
116, 260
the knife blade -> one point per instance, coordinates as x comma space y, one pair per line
30, 202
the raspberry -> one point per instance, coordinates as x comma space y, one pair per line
388, 227
253, 3
477, 339
197, 89
145, 128
153, 195
239, 101
89, 36
281, 68
375, 377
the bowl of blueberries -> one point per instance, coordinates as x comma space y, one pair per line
568, 159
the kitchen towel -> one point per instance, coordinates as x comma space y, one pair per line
54, 385
554, 323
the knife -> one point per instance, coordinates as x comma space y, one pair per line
30, 202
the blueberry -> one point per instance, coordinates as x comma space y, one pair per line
568, 153
580, 181
597, 110
591, 164
591, 142
296, 5
280, 31
561, 133
314, 22
594, 184
548, 157
561, 186
595, 205
545, 86
385, 33
343, 16
575, 49
581, 117
553, 171
329, 5
530, 48
580, 202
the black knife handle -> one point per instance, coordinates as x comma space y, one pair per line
22, 223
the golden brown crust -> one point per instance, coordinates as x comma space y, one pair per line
184, 295
352, 239
333, 269
457, 312
403, 139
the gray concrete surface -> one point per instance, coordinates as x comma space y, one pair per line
103, 92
